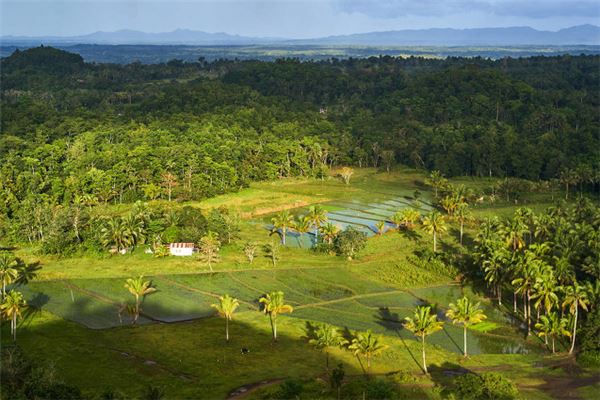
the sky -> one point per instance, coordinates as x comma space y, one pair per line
286, 18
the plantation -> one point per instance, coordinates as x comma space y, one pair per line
178, 344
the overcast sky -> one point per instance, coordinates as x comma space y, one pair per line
286, 18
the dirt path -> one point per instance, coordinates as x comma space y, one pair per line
243, 391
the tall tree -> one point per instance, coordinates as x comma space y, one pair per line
8, 270
551, 325
317, 216
327, 336
466, 313
226, 307
575, 298
423, 324
367, 345
209, 247
273, 305
139, 288
282, 222
12, 307
435, 225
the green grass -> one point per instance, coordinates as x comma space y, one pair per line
190, 359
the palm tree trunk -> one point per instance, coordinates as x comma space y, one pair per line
574, 332
326, 360
14, 326
434, 242
461, 232
423, 346
465, 339
283, 236
499, 290
514, 301
137, 309
528, 314
227, 329
553, 351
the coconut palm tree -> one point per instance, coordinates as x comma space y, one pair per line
11, 307
552, 326
226, 307
367, 345
575, 298
467, 313
139, 288
302, 224
462, 214
282, 222
514, 231
317, 217
494, 269
327, 336
8, 270
437, 181
273, 305
423, 324
115, 233
449, 204
329, 232
434, 224
544, 290
380, 226
528, 271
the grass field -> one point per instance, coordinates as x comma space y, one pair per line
180, 346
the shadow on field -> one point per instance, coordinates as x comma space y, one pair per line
410, 234
444, 375
185, 360
392, 321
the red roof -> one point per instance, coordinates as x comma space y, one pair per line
181, 245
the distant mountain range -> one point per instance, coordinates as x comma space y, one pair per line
510, 36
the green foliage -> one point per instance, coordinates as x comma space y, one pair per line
349, 242
488, 385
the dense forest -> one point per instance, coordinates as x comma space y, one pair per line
75, 133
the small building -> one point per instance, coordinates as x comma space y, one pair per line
181, 249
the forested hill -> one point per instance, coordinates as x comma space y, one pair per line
126, 132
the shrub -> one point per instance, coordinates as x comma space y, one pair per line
349, 242
489, 385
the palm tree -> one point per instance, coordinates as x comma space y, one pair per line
139, 288
209, 247
544, 290
115, 233
406, 218
437, 181
329, 231
467, 313
273, 305
8, 270
528, 271
449, 204
513, 232
11, 307
494, 270
575, 298
367, 345
317, 217
346, 173
422, 325
552, 326
434, 224
327, 336
282, 222
380, 226
250, 251
302, 224
462, 214
226, 307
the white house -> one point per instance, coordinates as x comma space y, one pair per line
181, 249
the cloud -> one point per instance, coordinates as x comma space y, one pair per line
535, 9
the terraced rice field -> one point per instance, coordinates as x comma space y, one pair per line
317, 295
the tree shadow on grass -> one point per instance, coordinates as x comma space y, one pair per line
443, 375
392, 321
410, 234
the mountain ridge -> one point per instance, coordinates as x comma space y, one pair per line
516, 35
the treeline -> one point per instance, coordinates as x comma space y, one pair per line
187, 131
